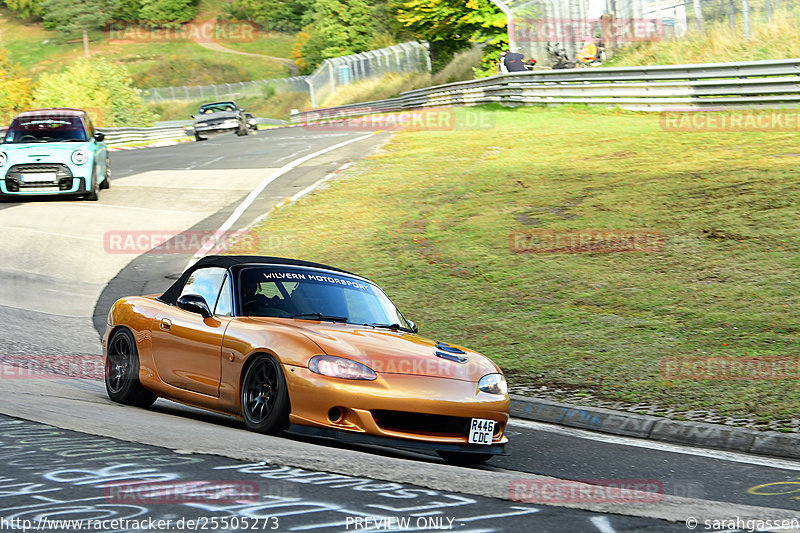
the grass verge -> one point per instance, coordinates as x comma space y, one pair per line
429, 219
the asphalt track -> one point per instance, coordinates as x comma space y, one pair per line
58, 278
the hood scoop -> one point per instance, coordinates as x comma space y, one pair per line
451, 353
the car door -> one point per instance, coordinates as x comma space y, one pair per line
187, 349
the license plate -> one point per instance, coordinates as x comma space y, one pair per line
481, 431
38, 177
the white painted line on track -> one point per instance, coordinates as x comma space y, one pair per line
248, 201
602, 524
734, 457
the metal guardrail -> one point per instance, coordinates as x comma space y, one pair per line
173, 131
655, 88
126, 135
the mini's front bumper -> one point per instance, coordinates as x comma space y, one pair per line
65, 186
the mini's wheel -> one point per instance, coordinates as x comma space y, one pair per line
122, 371
92, 195
265, 400
107, 181
464, 458
198, 138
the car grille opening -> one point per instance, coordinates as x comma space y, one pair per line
422, 423
57, 176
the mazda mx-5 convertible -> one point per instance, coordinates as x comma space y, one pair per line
53, 151
288, 344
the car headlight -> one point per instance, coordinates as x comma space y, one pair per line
201, 124
493, 384
3, 159
339, 367
79, 157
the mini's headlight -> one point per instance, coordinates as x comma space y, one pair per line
3, 159
79, 157
493, 384
201, 124
339, 367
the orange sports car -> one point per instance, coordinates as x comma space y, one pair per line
288, 344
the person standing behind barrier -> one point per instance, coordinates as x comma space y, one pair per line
514, 62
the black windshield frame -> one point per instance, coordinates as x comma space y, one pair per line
327, 282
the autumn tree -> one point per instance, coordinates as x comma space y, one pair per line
452, 25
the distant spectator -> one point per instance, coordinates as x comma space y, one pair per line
514, 62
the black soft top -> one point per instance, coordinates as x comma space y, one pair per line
228, 261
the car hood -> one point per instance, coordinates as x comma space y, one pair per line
220, 115
41, 149
395, 352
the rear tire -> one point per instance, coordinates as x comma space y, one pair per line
264, 397
464, 458
122, 371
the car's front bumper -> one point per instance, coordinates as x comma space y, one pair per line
212, 130
64, 186
418, 410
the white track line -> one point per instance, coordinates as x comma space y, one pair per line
247, 202
734, 457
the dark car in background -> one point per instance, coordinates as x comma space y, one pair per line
219, 117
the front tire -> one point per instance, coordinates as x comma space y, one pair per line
122, 371
464, 458
264, 397
93, 192
107, 177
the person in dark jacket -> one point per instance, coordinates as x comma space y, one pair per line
514, 62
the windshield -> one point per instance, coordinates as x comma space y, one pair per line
217, 107
46, 129
308, 294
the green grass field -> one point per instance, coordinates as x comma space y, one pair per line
429, 219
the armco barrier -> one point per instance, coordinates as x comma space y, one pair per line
747, 84
126, 135
162, 133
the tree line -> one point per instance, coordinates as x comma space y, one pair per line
324, 28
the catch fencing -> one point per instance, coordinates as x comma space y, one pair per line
617, 24
226, 91
324, 81
747, 84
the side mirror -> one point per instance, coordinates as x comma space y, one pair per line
414, 327
194, 116
99, 137
194, 303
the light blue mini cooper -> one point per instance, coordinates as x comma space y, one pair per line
53, 151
